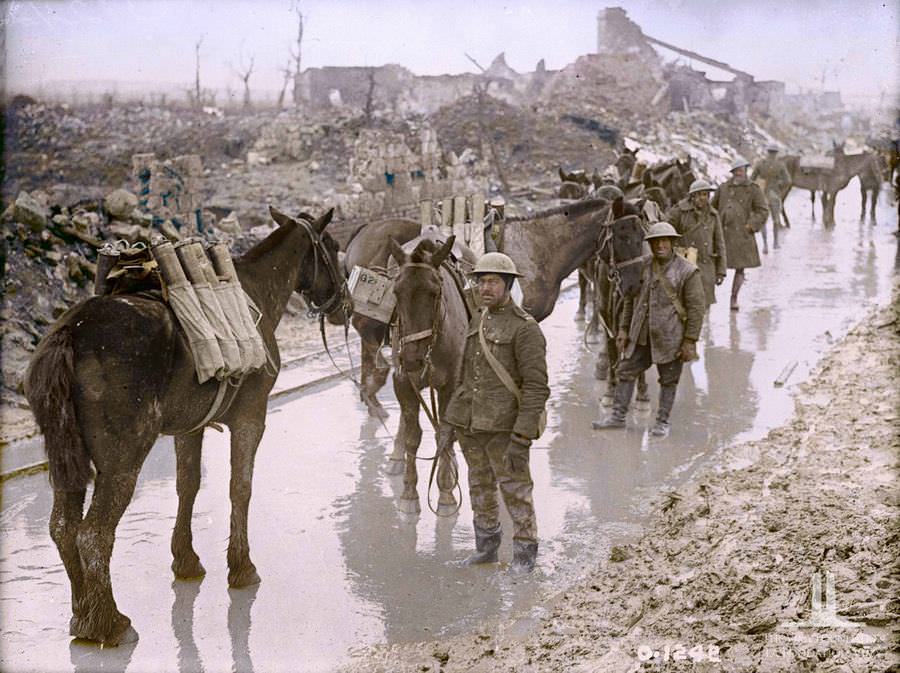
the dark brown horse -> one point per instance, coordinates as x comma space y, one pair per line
430, 322
546, 247
114, 373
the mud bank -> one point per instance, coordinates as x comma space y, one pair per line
785, 558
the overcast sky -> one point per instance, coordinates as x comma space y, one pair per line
852, 43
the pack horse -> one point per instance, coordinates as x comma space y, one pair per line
115, 372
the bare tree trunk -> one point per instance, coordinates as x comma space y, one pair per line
197, 100
286, 73
370, 96
297, 93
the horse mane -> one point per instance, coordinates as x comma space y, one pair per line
273, 240
569, 209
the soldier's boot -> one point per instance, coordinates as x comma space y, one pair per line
624, 391
735, 289
666, 401
524, 556
486, 545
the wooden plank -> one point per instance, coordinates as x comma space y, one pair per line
785, 373
477, 207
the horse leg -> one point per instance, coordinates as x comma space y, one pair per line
372, 377
862, 196
874, 201
409, 436
186, 564
65, 519
582, 295
245, 439
812, 204
100, 619
447, 471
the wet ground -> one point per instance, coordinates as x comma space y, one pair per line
341, 568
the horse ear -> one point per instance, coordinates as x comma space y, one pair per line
396, 251
323, 221
562, 176
438, 257
280, 218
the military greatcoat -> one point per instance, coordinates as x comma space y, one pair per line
741, 204
700, 228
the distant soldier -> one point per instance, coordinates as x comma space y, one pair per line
742, 211
775, 178
661, 326
699, 226
497, 408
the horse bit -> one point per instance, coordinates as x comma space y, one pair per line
340, 297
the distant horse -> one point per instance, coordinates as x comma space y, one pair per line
546, 246
674, 177
431, 321
115, 372
870, 179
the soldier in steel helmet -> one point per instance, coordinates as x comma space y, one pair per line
743, 211
700, 228
772, 175
497, 411
660, 326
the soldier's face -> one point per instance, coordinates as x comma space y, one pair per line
492, 289
700, 199
661, 248
740, 172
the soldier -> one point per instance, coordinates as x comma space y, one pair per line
497, 410
742, 210
699, 226
773, 177
664, 324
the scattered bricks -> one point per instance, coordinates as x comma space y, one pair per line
120, 203
29, 212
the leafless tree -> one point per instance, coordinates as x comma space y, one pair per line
287, 74
244, 74
487, 138
198, 102
296, 55
370, 96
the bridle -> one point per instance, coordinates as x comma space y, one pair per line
432, 332
606, 242
340, 297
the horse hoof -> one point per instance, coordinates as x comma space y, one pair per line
243, 578
189, 569
377, 411
120, 632
579, 316
607, 401
409, 506
395, 467
447, 508
641, 405
642, 397
601, 373
592, 337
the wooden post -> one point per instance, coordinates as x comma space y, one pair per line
425, 206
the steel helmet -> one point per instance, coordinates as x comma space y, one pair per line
772, 147
610, 192
739, 162
661, 230
496, 262
701, 185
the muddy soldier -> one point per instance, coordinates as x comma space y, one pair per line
742, 210
773, 175
497, 409
663, 327
700, 228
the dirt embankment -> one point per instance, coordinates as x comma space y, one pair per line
784, 560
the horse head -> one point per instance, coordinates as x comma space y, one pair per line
321, 281
622, 246
418, 287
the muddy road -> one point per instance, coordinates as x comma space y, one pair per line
342, 569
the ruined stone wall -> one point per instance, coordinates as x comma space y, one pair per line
170, 189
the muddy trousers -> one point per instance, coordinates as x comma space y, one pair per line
489, 467
639, 362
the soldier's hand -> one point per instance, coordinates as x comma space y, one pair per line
621, 340
688, 351
720, 278
515, 460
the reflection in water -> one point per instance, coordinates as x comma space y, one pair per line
239, 606
186, 592
87, 657
763, 321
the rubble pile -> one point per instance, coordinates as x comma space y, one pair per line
89, 146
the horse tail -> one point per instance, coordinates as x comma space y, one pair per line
49, 387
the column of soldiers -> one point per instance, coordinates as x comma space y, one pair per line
497, 406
